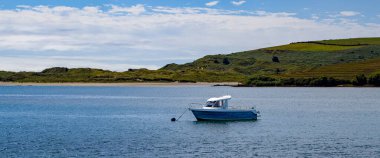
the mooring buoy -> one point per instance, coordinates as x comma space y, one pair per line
174, 119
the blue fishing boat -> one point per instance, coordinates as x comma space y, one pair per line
217, 109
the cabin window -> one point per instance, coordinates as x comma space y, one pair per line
215, 104
210, 103
218, 104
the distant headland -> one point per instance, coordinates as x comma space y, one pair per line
327, 63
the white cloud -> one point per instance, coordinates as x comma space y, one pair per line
348, 13
315, 17
278, 14
238, 3
135, 10
91, 37
212, 3
196, 10
171, 10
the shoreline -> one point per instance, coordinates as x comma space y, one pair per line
157, 84
127, 84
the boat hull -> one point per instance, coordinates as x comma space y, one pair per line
223, 115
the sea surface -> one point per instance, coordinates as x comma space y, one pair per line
70, 121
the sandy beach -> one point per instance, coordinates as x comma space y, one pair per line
148, 84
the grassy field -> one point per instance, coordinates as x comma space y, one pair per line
342, 71
353, 41
312, 47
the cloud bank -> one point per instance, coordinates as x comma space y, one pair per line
117, 38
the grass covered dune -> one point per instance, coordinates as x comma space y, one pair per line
342, 62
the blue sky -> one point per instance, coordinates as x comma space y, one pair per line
122, 34
304, 8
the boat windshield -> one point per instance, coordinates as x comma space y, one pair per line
210, 103
213, 104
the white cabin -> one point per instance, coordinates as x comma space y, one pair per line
217, 103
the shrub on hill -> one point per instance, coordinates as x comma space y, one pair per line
4, 75
16, 77
374, 79
313, 82
324, 82
359, 80
55, 70
275, 59
226, 61
260, 81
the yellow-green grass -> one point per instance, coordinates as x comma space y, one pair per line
353, 41
311, 47
342, 71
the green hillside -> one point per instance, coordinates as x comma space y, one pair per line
341, 59
312, 63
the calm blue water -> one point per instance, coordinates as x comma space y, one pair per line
63, 121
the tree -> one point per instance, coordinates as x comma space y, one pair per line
359, 80
324, 82
56, 70
275, 59
374, 80
226, 61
